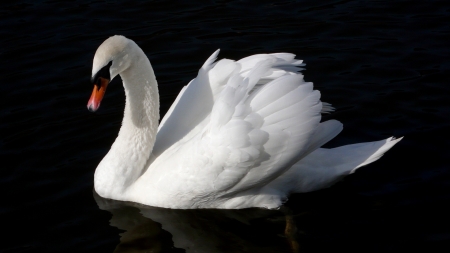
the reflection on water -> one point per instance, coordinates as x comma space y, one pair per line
150, 229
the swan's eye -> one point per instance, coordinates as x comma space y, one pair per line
103, 72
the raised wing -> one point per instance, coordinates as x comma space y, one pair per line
253, 136
263, 117
191, 107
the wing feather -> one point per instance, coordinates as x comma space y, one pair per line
260, 150
260, 117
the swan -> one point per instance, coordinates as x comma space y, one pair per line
241, 134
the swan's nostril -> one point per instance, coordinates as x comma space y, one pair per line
97, 94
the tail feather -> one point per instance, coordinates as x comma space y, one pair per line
381, 146
324, 167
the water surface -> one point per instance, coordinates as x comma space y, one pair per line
383, 65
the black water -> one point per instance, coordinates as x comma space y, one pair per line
383, 64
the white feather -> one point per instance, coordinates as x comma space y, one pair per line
241, 134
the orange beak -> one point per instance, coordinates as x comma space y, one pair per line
97, 94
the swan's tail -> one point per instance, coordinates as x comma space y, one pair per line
324, 167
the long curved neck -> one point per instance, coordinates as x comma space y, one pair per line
127, 158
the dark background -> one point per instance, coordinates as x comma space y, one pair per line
384, 65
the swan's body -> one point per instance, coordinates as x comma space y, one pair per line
241, 134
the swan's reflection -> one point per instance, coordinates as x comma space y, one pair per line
150, 229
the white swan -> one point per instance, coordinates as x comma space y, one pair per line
241, 134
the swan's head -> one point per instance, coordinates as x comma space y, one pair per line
111, 58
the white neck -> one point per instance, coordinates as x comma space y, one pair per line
127, 158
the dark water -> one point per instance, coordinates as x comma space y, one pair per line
384, 65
